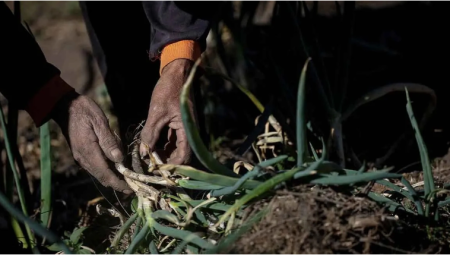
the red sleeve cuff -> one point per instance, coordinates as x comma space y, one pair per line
186, 49
45, 100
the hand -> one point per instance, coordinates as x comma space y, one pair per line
87, 131
165, 111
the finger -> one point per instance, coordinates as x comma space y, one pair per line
182, 153
92, 159
150, 135
170, 146
108, 142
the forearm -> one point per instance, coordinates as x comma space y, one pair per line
179, 29
26, 79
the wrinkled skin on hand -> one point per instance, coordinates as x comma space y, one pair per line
87, 131
165, 110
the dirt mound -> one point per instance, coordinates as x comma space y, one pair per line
307, 220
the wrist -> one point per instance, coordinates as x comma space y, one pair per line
61, 109
46, 99
178, 67
182, 68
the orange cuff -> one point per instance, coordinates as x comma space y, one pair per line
186, 49
45, 100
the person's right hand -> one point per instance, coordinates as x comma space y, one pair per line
87, 131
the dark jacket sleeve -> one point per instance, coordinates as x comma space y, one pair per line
24, 69
27, 80
173, 21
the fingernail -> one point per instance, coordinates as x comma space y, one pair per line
116, 154
128, 192
142, 150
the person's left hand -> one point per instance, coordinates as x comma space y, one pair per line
165, 111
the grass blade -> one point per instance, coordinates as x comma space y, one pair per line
301, 123
237, 185
249, 175
444, 203
181, 234
9, 192
427, 173
123, 230
37, 228
314, 152
386, 201
18, 231
414, 195
12, 165
9, 176
46, 175
216, 179
152, 247
345, 180
176, 207
198, 185
271, 161
363, 168
165, 215
136, 241
183, 244
138, 227
192, 133
396, 189
360, 171
200, 215
212, 206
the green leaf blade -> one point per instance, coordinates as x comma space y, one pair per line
427, 173
192, 133
301, 122
46, 174
76, 234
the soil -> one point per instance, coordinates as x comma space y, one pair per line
316, 221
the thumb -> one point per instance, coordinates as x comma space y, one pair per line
110, 145
150, 135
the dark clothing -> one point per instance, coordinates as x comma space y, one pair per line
24, 69
176, 21
124, 35
120, 39
121, 35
